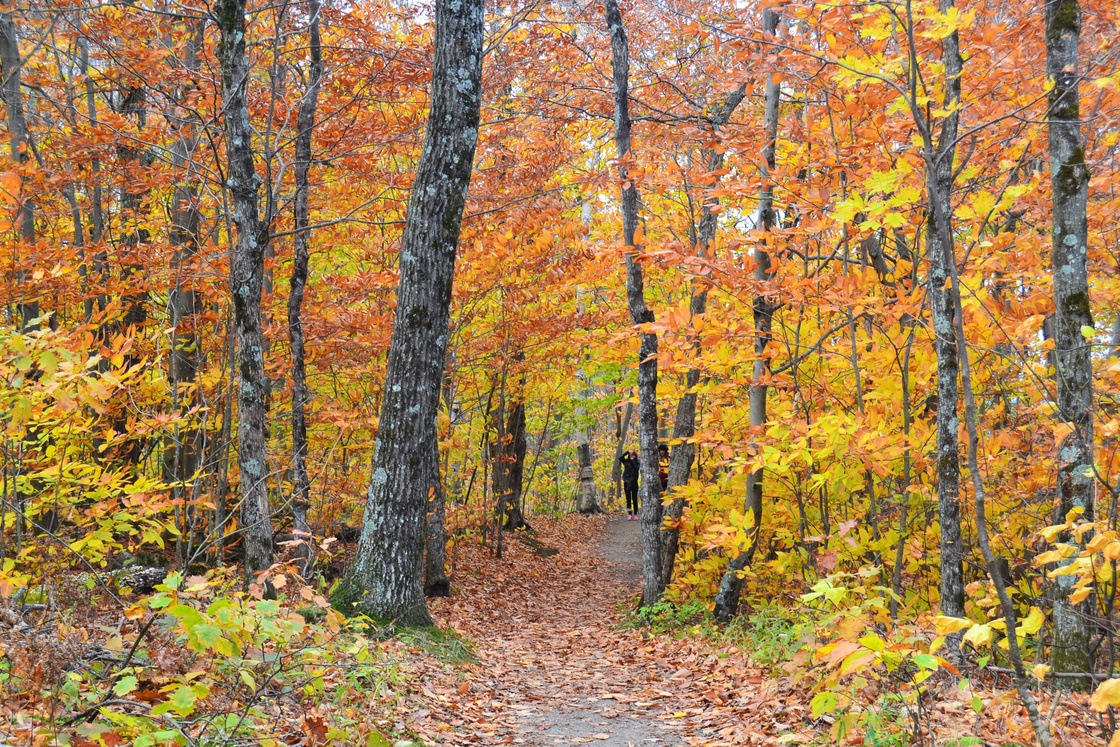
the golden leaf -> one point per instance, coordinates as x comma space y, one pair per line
1107, 694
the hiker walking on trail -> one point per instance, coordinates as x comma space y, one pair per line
630, 473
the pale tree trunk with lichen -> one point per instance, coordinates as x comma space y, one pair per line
1073, 366
246, 280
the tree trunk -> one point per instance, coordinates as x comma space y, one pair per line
640, 314
97, 221
181, 455
19, 143
513, 463
436, 583
684, 451
943, 302
385, 580
731, 586
1073, 367
305, 124
586, 500
246, 278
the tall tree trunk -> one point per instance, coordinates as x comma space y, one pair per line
684, 427
731, 585
650, 491
386, 578
943, 302
19, 143
1073, 366
246, 278
305, 123
181, 456
97, 221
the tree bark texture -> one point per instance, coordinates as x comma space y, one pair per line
1073, 366
731, 585
246, 278
181, 457
19, 143
586, 500
305, 125
513, 465
942, 301
385, 580
684, 427
436, 583
640, 314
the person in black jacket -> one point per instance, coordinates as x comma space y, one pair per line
630, 482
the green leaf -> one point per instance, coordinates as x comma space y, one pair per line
1088, 332
926, 661
248, 680
206, 635
377, 739
182, 700
977, 704
124, 686
824, 702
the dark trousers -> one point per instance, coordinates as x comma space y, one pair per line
631, 497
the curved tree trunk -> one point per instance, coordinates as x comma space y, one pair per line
731, 585
385, 580
1073, 366
246, 279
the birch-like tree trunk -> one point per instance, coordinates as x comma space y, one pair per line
731, 585
305, 125
246, 278
1073, 366
684, 427
385, 580
640, 314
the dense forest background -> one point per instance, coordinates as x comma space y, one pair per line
856, 264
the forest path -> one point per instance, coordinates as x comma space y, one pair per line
553, 667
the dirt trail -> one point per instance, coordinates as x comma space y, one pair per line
554, 670
592, 694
